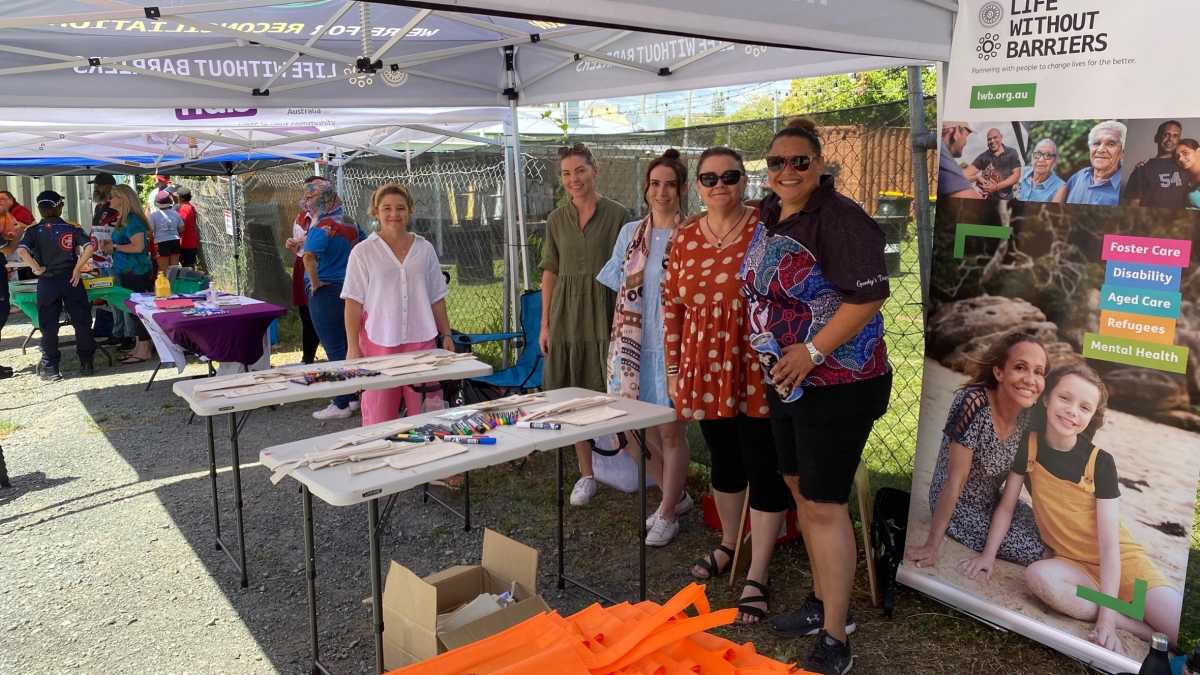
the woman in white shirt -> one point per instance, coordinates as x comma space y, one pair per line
395, 300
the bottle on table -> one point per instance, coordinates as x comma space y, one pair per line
162, 287
1158, 661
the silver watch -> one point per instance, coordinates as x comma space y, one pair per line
815, 354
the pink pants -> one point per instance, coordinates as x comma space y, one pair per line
381, 405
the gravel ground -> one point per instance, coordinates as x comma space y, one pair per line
107, 559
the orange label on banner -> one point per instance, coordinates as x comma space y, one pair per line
1137, 327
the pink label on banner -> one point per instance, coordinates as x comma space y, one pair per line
1147, 250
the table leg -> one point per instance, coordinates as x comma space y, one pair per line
376, 582
466, 501
212, 476
237, 492
641, 440
559, 480
310, 575
4, 482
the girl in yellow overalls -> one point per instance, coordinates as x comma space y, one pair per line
1075, 504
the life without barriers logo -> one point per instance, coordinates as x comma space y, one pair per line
991, 14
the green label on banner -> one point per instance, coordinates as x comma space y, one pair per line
1004, 95
1170, 358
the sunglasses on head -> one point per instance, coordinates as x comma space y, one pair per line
775, 163
710, 178
578, 148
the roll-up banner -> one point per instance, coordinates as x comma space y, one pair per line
1054, 492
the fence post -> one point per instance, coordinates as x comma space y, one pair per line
922, 141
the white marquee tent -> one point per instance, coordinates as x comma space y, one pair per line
234, 83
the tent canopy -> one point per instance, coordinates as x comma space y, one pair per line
65, 141
339, 54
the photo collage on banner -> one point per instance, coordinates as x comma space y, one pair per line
1054, 492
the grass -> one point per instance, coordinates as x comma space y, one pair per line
8, 428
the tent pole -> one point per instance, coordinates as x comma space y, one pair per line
237, 238
341, 181
510, 66
519, 194
510, 255
922, 141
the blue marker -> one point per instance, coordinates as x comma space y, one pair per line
470, 440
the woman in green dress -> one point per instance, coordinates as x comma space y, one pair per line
576, 325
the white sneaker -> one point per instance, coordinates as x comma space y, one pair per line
684, 505
332, 412
584, 490
662, 532
354, 406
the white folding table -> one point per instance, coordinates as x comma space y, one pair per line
338, 487
208, 407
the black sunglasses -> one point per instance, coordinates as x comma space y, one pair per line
730, 177
775, 163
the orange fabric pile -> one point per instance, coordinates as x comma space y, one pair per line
641, 639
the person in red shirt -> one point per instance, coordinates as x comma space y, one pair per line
14, 218
189, 240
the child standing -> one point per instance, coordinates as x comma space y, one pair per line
395, 298
1076, 495
57, 252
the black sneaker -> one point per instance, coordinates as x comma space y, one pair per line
829, 656
5, 372
806, 621
51, 374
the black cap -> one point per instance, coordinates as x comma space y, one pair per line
49, 198
103, 179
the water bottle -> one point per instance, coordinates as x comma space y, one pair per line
1157, 662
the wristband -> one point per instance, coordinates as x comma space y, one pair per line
672, 370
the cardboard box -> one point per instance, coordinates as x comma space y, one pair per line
411, 605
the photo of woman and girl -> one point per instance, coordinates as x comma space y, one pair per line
1020, 425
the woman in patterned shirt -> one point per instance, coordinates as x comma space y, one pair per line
815, 279
712, 375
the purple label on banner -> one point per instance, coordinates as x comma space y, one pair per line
213, 113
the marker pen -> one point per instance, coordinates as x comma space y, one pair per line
470, 440
411, 438
553, 426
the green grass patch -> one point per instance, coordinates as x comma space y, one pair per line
8, 428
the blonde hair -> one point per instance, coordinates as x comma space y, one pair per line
132, 205
389, 189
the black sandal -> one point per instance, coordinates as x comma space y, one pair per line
745, 607
709, 564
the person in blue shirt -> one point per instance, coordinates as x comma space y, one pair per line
1039, 182
1099, 183
326, 252
57, 252
952, 182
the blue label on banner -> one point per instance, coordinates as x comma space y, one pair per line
1148, 277
1137, 301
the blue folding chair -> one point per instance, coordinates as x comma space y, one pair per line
524, 375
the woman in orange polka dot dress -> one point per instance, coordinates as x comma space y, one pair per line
713, 375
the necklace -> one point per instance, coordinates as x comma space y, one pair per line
721, 241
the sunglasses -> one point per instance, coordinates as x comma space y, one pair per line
730, 177
775, 163
577, 149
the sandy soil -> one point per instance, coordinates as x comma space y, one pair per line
1160, 455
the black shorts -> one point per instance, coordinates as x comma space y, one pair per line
168, 247
820, 437
188, 256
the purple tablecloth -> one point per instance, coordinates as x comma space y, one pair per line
235, 336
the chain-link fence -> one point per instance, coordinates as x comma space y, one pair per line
459, 206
